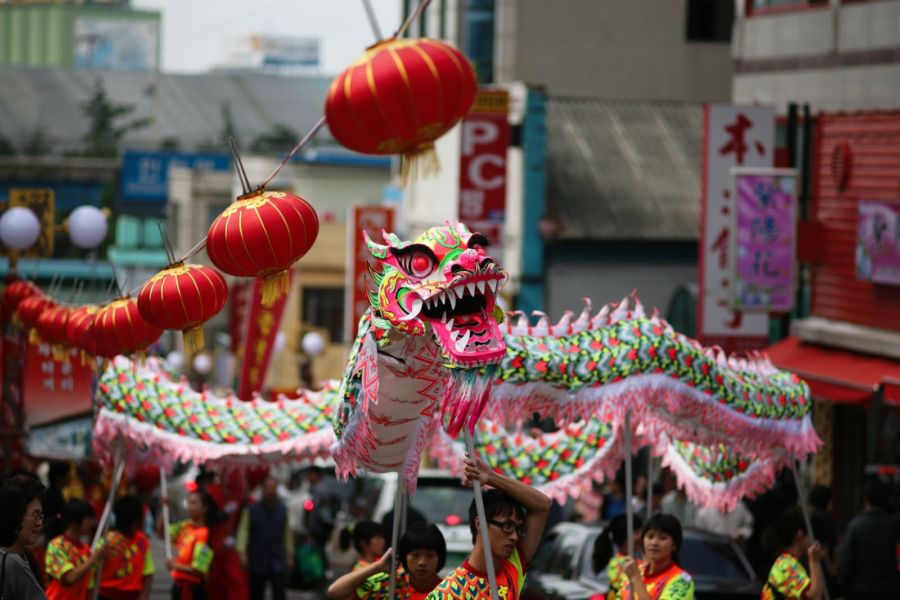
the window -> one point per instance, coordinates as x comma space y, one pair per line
324, 307
709, 20
478, 40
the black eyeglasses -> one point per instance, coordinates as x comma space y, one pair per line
509, 527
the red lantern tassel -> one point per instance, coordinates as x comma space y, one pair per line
33, 337
423, 157
193, 339
274, 287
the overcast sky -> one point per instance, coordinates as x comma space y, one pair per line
195, 32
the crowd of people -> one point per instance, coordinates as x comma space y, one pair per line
233, 547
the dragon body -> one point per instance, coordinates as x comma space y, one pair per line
433, 355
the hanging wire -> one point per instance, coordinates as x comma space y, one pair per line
170, 252
239, 166
373, 21
412, 18
300, 145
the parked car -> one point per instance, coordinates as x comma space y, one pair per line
561, 568
440, 497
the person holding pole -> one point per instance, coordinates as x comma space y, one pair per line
193, 555
69, 561
516, 515
422, 552
659, 576
128, 569
787, 578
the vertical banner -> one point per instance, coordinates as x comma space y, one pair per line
371, 219
482, 168
42, 202
11, 408
733, 136
878, 242
765, 240
52, 389
262, 327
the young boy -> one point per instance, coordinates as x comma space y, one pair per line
516, 515
69, 560
128, 569
422, 553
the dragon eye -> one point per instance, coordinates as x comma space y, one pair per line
418, 262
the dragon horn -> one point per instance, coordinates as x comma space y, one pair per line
377, 250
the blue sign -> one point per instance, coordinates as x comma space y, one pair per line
145, 175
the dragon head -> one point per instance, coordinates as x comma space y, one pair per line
443, 280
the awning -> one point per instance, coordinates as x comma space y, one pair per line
838, 375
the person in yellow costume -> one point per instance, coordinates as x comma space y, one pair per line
787, 577
659, 577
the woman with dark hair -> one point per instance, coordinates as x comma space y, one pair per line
368, 540
69, 560
21, 525
610, 553
192, 552
659, 577
422, 552
128, 568
788, 578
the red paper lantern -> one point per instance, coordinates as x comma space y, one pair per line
14, 293
119, 328
262, 234
79, 332
183, 297
51, 325
400, 97
28, 312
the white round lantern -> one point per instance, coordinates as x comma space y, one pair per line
280, 340
313, 343
175, 360
19, 228
87, 227
202, 363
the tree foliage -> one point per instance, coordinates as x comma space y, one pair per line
108, 124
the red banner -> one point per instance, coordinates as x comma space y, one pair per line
11, 409
54, 390
371, 219
482, 169
262, 327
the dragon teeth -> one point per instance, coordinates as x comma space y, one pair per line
493, 285
480, 286
459, 291
452, 299
471, 288
461, 342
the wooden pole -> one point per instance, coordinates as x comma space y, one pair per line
629, 509
395, 535
164, 493
801, 500
483, 525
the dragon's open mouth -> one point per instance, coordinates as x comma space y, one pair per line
462, 318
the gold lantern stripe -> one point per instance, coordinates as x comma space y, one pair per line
429, 62
287, 227
398, 64
373, 89
351, 108
265, 231
249, 254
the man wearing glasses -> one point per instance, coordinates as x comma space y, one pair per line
516, 515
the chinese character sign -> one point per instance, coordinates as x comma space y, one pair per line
262, 327
482, 166
734, 136
52, 389
371, 219
878, 242
765, 219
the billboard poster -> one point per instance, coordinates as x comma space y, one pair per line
371, 219
483, 168
116, 44
52, 389
878, 242
733, 136
764, 241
